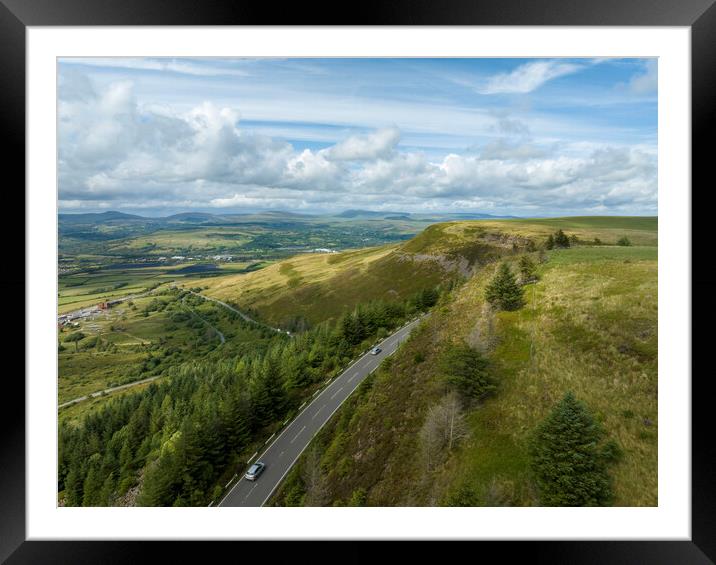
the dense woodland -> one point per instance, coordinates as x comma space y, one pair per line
174, 441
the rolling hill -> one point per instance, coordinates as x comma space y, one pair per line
589, 326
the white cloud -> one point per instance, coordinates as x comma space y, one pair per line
374, 145
527, 77
115, 153
645, 82
156, 64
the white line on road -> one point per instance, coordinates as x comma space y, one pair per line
302, 405
252, 490
254, 455
316, 414
298, 434
335, 393
269, 439
353, 377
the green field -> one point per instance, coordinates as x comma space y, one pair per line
85, 289
123, 345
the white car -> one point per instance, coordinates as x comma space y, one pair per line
375, 351
254, 471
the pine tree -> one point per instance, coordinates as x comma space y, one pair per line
549, 244
569, 465
93, 483
466, 370
527, 269
503, 290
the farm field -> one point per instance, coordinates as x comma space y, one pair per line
89, 288
144, 338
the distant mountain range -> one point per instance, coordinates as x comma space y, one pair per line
113, 217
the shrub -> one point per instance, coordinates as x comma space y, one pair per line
359, 497
463, 496
561, 239
624, 241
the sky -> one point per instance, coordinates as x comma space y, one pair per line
523, 137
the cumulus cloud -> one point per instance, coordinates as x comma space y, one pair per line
378, 144
527, 77
115, 153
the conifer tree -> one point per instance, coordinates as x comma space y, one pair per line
527, 269
503, 290
549, 244
466, 369
568, 462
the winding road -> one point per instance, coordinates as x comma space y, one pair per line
107, 391
230, 307
280, 456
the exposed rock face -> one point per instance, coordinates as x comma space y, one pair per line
451, 264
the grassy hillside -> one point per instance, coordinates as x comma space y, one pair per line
321, 286
589, 326
318, 287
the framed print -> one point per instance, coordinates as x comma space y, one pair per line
423, 275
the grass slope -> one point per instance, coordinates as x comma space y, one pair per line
318, 287
589, 325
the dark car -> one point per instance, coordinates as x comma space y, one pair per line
254, 471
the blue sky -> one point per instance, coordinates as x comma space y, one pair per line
530, 137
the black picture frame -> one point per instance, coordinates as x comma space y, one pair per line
699, 15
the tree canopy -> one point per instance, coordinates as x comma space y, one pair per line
568, 459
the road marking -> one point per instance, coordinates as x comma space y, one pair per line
298, 434
212, 502
353, 377
329, 380
252, 490
280, 454
302, 405
269, 439
254, 455
315, 393
335, 393
316, 414
287, 419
